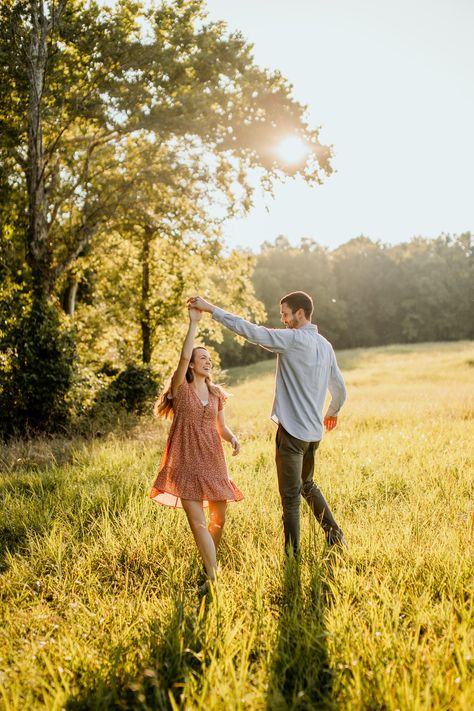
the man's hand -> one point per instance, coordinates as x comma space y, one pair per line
330, 422
197, 302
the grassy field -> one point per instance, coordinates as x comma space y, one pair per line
99, 608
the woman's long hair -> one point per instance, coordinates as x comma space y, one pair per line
164, 404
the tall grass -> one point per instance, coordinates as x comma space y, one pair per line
99, 608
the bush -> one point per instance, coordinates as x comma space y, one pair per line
233, 352
37, 352
133, 388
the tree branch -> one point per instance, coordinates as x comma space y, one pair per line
22, 162
72, 256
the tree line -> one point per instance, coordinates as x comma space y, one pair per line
367, 293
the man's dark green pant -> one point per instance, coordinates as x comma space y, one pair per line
295, 466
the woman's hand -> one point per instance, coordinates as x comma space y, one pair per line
194, 314
235, 446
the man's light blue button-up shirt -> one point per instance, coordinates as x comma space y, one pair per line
306, 369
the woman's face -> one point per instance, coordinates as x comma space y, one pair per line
201, 363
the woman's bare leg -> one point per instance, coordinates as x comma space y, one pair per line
217, 511
204, 541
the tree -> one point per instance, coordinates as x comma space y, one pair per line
92, 80
435, 281
282, 268
109, 315
366, 280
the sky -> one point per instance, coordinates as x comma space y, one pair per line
391, 84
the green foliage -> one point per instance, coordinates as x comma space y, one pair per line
235, 351
366, 275
281, 268
36, 364
134, 388
110, 318
413, 292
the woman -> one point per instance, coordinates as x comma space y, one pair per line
193, 472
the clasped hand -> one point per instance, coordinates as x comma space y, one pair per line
194, 314
197, 302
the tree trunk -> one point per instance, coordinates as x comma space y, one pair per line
38, 252
69, 300
146, 319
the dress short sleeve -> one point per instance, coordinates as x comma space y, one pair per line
220, 404
179, 393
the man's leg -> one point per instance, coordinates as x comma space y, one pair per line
316, 500
289, 461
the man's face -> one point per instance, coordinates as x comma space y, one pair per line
287, 317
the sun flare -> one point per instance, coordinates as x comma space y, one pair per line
292, 149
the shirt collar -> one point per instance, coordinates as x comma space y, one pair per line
311, 325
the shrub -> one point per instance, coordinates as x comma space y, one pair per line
133, 388
37, 352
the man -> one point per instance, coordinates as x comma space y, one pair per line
306, 368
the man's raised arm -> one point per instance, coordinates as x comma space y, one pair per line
276, 340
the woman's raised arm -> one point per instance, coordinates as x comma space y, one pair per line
186, 351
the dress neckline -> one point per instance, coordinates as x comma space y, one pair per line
204, 404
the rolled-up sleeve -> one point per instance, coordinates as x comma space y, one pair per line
337, 389
276, 340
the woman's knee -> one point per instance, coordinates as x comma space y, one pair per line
196, 524
195, 515
217, 516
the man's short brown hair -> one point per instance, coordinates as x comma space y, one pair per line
299, 300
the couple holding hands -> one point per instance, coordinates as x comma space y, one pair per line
193, 472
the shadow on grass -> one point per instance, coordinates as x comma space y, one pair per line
300, 675
23, 512
169, 656
32, 502
13, 539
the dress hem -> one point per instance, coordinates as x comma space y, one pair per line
172, 501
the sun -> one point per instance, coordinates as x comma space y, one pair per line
292, 149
